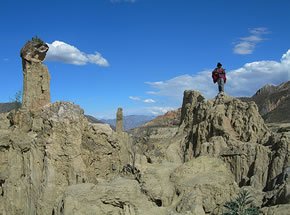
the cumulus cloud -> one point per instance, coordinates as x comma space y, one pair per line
66, 53
149, 101
174, 87
246, 45
244, 81
134, 98
159, 110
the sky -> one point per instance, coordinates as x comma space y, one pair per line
142, 54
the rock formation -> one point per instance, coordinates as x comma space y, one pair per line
36, 89
53, 161
230, 130
234, 131
60, 149
119, 120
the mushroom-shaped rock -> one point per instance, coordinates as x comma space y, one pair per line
36, 78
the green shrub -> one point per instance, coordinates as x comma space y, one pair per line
242, 205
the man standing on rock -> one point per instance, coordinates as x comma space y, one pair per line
219, 76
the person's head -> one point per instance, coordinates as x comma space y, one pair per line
219, 65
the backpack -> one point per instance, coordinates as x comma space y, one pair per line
218, 73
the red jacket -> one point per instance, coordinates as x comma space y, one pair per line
219, 73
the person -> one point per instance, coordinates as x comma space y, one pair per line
219, 76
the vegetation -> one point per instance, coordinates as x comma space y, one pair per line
17, 99
36, 39
18, 96
242, 205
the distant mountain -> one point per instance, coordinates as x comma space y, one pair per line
8, 106
131, 121
92, 119
171, 118
273, 102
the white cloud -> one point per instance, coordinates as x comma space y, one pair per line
244, 81
134, 98
246, 45
260, 30
159, 110
149, 101
174, 87
66, 53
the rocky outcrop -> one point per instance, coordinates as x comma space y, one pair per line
276, 210
198, 187
158, 138
120, 196
153, 142
36, 78
203, 185
53, 161
234, 131
44, 152
119, 121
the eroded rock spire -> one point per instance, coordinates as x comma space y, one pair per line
36, 78
119, 120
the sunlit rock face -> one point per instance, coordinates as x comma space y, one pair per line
36, 78
234, 131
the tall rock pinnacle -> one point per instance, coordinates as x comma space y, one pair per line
119, 121
36, 78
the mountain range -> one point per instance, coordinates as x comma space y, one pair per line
8, 106
273, 102
130, 121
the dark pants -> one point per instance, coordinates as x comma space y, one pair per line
221, 84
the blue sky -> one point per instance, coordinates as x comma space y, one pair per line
142, 54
